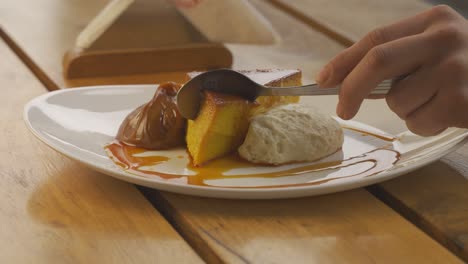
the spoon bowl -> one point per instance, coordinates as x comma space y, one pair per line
222, 81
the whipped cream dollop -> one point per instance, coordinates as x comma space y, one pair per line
291, 133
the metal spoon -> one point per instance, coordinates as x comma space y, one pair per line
235, 83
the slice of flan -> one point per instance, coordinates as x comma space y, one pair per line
223, 120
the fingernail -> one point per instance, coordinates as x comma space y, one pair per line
346, 116
323, 75
343, 113
340, 111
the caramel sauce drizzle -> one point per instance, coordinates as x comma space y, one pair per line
125, 157
216, 169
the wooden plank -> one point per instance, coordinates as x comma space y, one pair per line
348, 21
55, 211
237, 231
322, 229
45, 30
350, 227
57, 23
435, 199
316, 228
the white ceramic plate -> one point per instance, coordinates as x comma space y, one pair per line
79, 122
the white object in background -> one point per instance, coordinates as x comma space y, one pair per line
232, 21
101, 22
229, 21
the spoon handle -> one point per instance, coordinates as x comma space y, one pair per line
314, 89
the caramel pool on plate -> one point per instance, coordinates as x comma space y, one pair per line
363, 165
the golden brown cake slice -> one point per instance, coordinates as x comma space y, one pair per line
274, 78
223, 120
219, 128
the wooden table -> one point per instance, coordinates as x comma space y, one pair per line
53, 210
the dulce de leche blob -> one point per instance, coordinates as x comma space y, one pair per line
156, 124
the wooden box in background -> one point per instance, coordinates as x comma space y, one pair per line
148, 36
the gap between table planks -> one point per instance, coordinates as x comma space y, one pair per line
435, 198
350, 227
53, 210
56, 31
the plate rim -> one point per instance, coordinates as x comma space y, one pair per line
224, 192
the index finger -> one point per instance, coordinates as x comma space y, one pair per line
341, 65
389, 60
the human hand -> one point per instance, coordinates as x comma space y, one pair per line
431, 48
